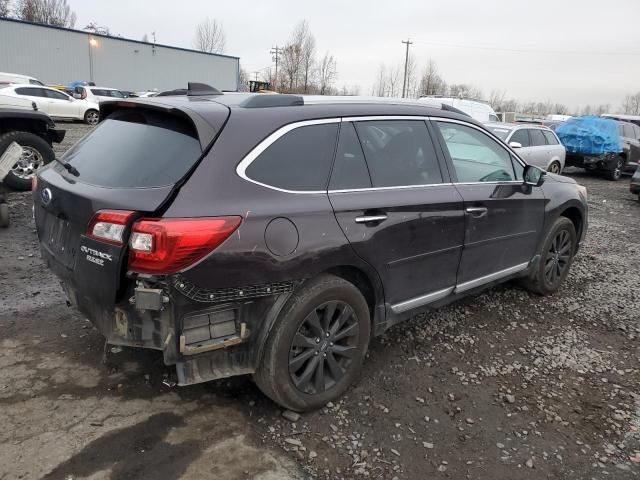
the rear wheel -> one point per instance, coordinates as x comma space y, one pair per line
91, 117
317, 345
555, 260
36, 152
555, 167
616, 172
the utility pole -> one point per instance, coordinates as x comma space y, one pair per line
275, 51
406, 62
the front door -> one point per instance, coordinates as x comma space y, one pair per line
397, 208
503, 216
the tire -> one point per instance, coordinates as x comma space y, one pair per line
555, 167
91, 117
36, 153
556, 258
307, 373
4, 215
616, 172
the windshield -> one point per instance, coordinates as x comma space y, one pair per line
135, 149
501, 133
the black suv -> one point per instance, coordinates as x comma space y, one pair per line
274, 235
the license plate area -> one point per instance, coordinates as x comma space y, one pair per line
61, 238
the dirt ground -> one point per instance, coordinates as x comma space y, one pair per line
505, 385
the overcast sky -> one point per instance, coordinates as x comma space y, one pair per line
570, 51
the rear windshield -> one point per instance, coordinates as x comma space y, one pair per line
136, 149
501, 133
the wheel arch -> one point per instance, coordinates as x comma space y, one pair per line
575, 215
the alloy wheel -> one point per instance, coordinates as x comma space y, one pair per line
554, 168
29, 162
558, 257
323, 347
92, 118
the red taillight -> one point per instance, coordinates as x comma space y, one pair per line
109, 225
34, 183
83, 95
168, 245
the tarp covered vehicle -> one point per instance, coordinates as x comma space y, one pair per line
593, 143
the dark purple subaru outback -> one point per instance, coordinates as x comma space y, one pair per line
274, 235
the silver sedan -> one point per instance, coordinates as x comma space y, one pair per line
536, 145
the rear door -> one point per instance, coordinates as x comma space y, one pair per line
37, 95
130, 162
398, 209
503, 217
631, 137
539, 150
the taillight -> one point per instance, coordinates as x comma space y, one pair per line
83, 95
168, 245
109, 225
34, 183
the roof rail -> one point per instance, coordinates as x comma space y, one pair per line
197, 89
449, 108
281, 100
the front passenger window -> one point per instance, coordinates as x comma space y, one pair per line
476, 157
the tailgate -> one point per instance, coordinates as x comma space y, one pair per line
133, 161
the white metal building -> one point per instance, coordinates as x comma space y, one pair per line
57, 55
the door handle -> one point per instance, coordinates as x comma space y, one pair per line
476, 212
371, 218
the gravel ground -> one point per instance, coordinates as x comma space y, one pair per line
505, 385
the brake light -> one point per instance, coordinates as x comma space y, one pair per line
109, 225
168, 245
83, 94
34, 183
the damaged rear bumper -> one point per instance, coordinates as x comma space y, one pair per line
206, 334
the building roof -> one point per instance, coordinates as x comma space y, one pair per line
84, 32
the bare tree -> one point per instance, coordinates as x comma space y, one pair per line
326, 73
496, 99
412, 84
243, 80
4, 8
631, 105
394, 82
210, 36
380, 86
294, 60
430, 82
308, 58
560, 109
49, 12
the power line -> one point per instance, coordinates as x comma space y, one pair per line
530, 50
275, 51
406, 61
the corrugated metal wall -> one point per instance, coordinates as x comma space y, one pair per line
58, 56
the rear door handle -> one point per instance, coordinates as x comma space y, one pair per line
371, 218
477, 212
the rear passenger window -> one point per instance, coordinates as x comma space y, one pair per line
350, 169
32, 92
536, 137
300, 160
550, 137
521, 137
628, 131
399, 153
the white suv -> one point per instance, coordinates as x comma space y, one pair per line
55, 103
97, 94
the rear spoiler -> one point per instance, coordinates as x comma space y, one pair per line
207, 118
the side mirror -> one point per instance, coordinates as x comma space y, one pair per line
515, 144
534, 176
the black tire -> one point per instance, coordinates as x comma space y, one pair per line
4, 215
555, 167
616, 172
19, 178
555, 262
91, 117
283, 358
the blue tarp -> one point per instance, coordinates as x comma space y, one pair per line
590, 135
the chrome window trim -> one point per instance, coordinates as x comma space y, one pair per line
241, 169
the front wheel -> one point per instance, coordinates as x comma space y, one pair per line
91, 117
555, 259
316, 346
616, 172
